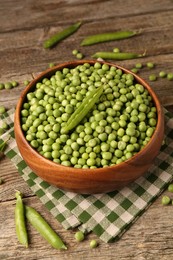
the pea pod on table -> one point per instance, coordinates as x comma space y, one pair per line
104, 37
44, 228
20, 220
61, 35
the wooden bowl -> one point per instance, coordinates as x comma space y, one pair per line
89, 181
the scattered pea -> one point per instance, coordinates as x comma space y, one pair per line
150, 65
8, 85
93, 243
26, 82
162, 74
4, 126
79, 236
152, 77
134, 70
75, 52
51, 65
166, 200
2, 109
170, 188
116, 50
79, 56
2, 86
14, 83
138, 65
170, 76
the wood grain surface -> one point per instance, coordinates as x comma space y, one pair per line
24, 25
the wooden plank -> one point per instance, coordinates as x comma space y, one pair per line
12, 181
46, 13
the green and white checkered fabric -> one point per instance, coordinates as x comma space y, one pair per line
107, 215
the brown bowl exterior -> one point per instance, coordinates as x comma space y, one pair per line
89, 181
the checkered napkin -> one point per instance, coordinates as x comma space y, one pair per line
107, 215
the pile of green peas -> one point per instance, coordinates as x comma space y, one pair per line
118, 126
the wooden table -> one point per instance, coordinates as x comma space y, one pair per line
23, 27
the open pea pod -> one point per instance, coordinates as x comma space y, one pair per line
83, 109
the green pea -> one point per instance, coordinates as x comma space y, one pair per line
118, 153
91, 162
79, 56
79, 236
130, 131
2, 110
92, 142
170, 76
120, 132
2, 86
165, 200
51, 65
152, 122
138, 65
93, 243
116, 50
75, 52
150, 131
8, 85
128, 155
26, 82
4, 126
134, 70
107, 155
162, 74
170, 188
152, 77
14, 83
130, 148
150, 65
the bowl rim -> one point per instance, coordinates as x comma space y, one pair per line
72, 64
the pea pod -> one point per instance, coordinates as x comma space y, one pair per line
104, 37
83, 109
20, 220
61, 35
117, 56
43, 228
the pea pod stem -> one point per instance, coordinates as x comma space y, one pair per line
44, 228
117, 56
20, 220
104, 37
57, 37
83, 109
3, 144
